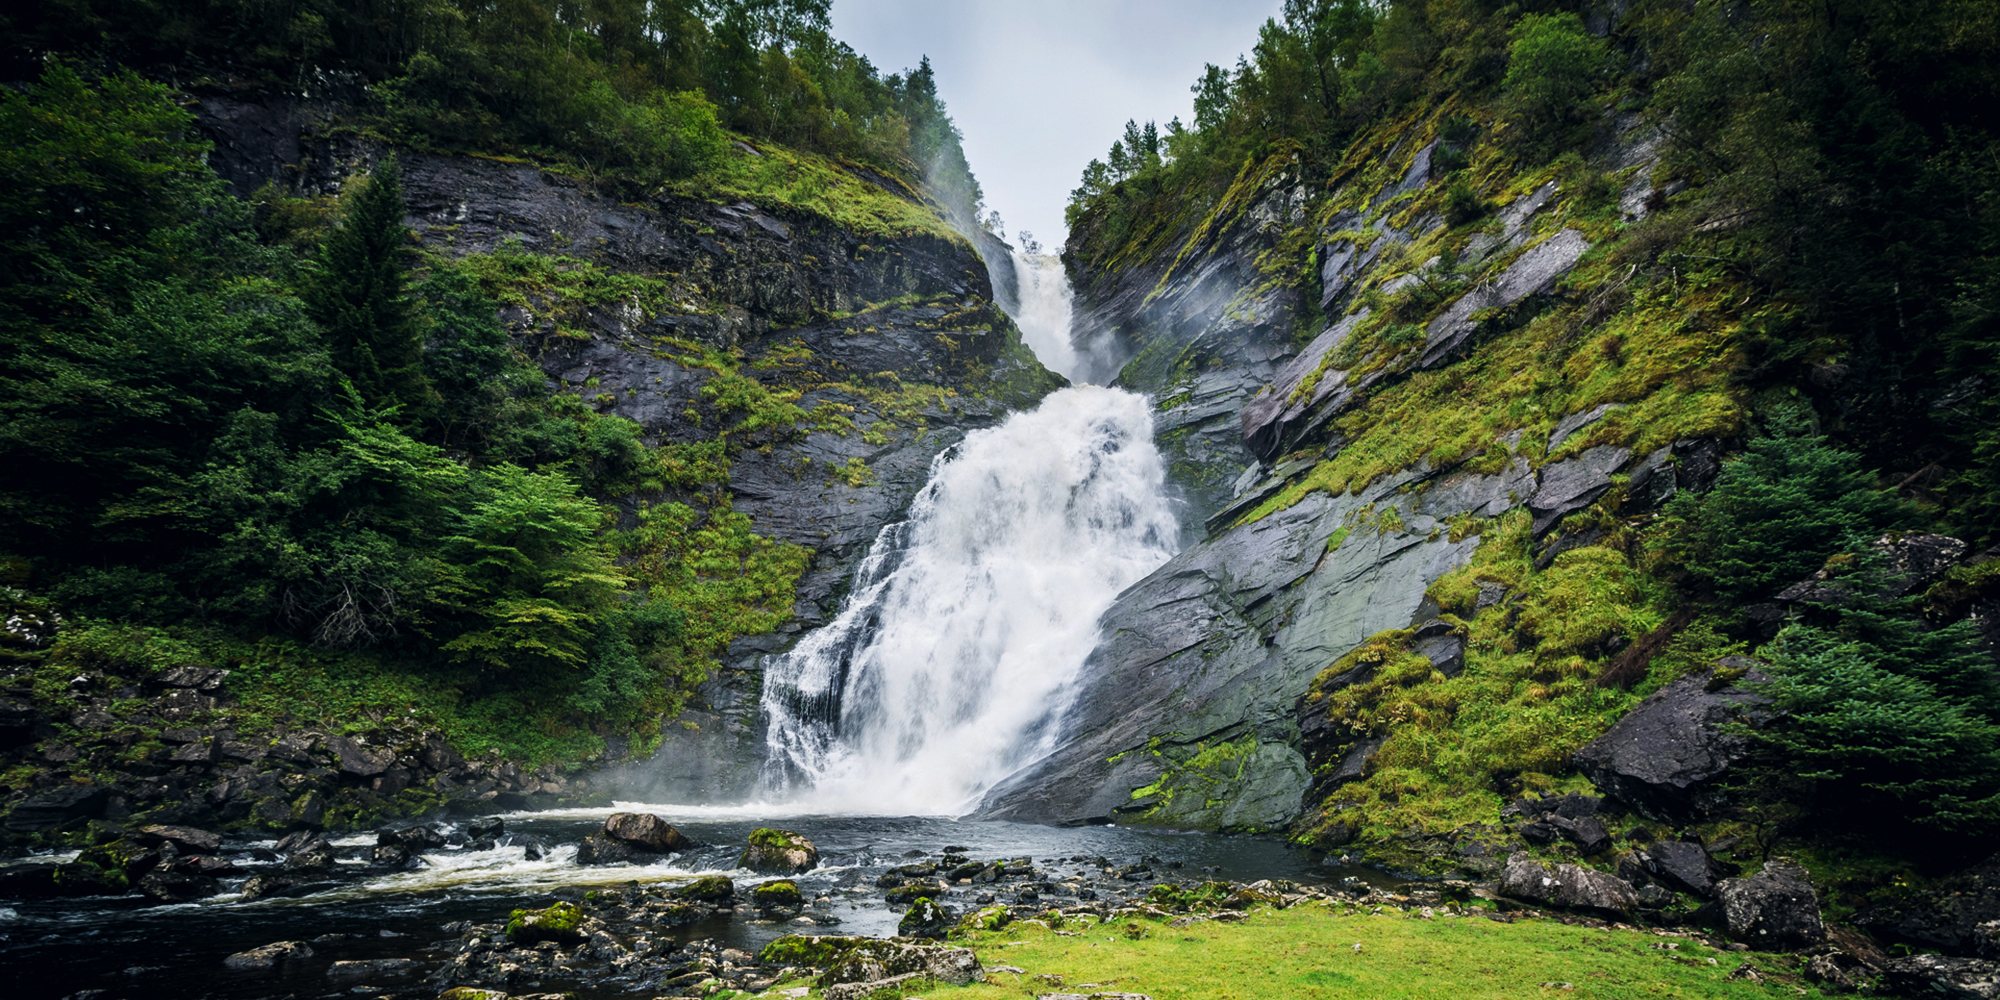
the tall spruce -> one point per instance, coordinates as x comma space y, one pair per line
359, 294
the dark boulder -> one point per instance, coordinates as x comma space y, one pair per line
598, 849
271, 956
1943, 976
1566, 886
779, 895
51, 809
1666, 756
1947, 916
926, 919
1774, 910
647, 832
489, 828
21, 723
1442, 644
780, 851
58, 881
357, 760
174, 887
285, 884
707, 889
392, 856
188, 839
314, 853
1682, 867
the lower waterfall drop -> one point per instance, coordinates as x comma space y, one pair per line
950, 664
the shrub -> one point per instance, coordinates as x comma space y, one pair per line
1775, 515
1552, 66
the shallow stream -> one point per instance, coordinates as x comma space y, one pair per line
62, 948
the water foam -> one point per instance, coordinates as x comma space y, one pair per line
950, 664
1045, 312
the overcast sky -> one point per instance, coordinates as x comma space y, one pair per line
1039, 87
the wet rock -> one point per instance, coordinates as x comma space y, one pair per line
1943, 976
392, 856
1532, 273
366, 968
285, 884
186, 838
707, 889
560, 923
780, 895
926, 919
1954, 915
269, 957
647, 832
314, 853
21, 723
47, 810
869, 961
536, 851
1774, 910
904, 895
489, 828
778, 851
174, 887
1666, 757
1567, 886
598, 849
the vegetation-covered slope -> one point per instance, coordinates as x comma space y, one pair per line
283, 432
1473, 243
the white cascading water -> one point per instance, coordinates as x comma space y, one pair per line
953, 658
1045, 312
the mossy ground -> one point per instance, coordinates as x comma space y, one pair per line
1306, 952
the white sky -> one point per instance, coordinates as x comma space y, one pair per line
1039, 87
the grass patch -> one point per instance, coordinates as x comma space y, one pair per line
776, 177
1307, 953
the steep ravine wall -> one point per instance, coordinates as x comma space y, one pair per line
1190, 714
906, 330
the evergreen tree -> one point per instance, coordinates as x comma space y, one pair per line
358, 293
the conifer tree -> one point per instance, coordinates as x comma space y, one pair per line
359, 295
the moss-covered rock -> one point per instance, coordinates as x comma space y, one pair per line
782, 894
560, 923
817, 951
991, 918
707, 889
904, 895
778, 851
926, 919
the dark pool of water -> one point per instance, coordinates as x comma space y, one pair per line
51, 949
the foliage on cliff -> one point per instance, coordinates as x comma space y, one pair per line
1792, 211
219, 438
637, 88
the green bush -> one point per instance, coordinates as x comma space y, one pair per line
1553, 66
1775, 515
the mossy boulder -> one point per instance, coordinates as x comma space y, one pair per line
471, 993
991, 918
561, 923
904, 895
782, 894
779, 851
707, 889
817, 951
122, 855
868, 961
926, 919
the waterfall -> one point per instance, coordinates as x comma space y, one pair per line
952, 660
1044, 314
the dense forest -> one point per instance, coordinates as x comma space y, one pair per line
273, 432
1837, 167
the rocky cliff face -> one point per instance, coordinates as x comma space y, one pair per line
1246, 330
900, 338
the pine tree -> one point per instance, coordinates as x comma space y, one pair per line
358, 293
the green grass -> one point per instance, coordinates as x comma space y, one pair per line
776, 177
1306, 953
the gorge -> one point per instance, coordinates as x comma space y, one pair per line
487, 481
